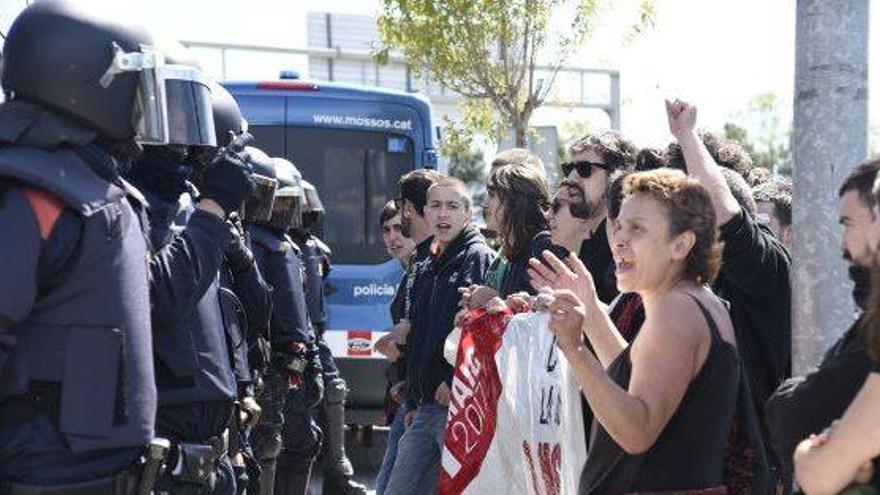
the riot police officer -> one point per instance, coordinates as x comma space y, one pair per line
337, 468
191, 340
77, 391
245, 297
287, 440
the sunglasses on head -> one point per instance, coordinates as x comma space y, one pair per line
584, 168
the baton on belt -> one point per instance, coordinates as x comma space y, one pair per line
154, 464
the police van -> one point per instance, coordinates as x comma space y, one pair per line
352, 143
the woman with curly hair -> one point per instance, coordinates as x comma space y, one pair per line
663, 405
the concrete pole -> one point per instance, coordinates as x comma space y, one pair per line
830, 138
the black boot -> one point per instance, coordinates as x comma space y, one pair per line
338, 470
267, 477
341, 485
292, 476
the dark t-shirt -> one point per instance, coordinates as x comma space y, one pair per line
754, 279
806, 405
596, 254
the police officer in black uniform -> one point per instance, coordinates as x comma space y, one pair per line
196, 385
337, 469
245, 298
287, 440
77, 391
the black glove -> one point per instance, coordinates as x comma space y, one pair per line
238, 143
313, 379
228, 181
237, 253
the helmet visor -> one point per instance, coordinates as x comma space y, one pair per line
313, 201
172, 103
258, 206
188, 96
287, 210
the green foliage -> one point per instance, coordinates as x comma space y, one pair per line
764, 129
489, 51
468, 165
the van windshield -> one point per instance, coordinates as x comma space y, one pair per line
355, 172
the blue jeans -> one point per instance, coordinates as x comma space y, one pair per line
417, 466
397, 429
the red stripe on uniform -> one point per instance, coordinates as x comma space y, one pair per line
47, 208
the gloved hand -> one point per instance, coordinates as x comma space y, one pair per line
293, 359
313, 379
228, 181
237, 253
237, 143
251, 410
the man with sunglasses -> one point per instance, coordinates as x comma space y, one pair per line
594, 158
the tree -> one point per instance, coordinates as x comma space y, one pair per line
467, 165
492, 51
764, 129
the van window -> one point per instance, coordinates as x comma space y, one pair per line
355, 173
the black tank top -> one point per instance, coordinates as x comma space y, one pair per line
689, 453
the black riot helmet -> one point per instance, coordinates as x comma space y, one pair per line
107, 75
313, 210
287, 211
257, 208
228, 125
227, 115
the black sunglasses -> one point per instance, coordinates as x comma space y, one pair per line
584, 168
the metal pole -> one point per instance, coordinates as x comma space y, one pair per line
614, 104
830, 138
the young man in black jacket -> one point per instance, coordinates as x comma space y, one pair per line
459, 258
413, 188
804, 405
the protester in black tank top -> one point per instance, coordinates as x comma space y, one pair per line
665, 404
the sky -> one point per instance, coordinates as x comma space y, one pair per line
718, 54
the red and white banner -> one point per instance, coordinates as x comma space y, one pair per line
515, 423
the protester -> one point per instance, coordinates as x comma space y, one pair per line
413, 188
515, 209
593, 159
400, 248
805, 405
664, 405
773, 199
460, 258
846, 451
626, 310
755, 269
568, 225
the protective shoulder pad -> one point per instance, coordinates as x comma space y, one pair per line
61, 172
267, 239
324, 248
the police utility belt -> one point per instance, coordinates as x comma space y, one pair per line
194, 462
138, 480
